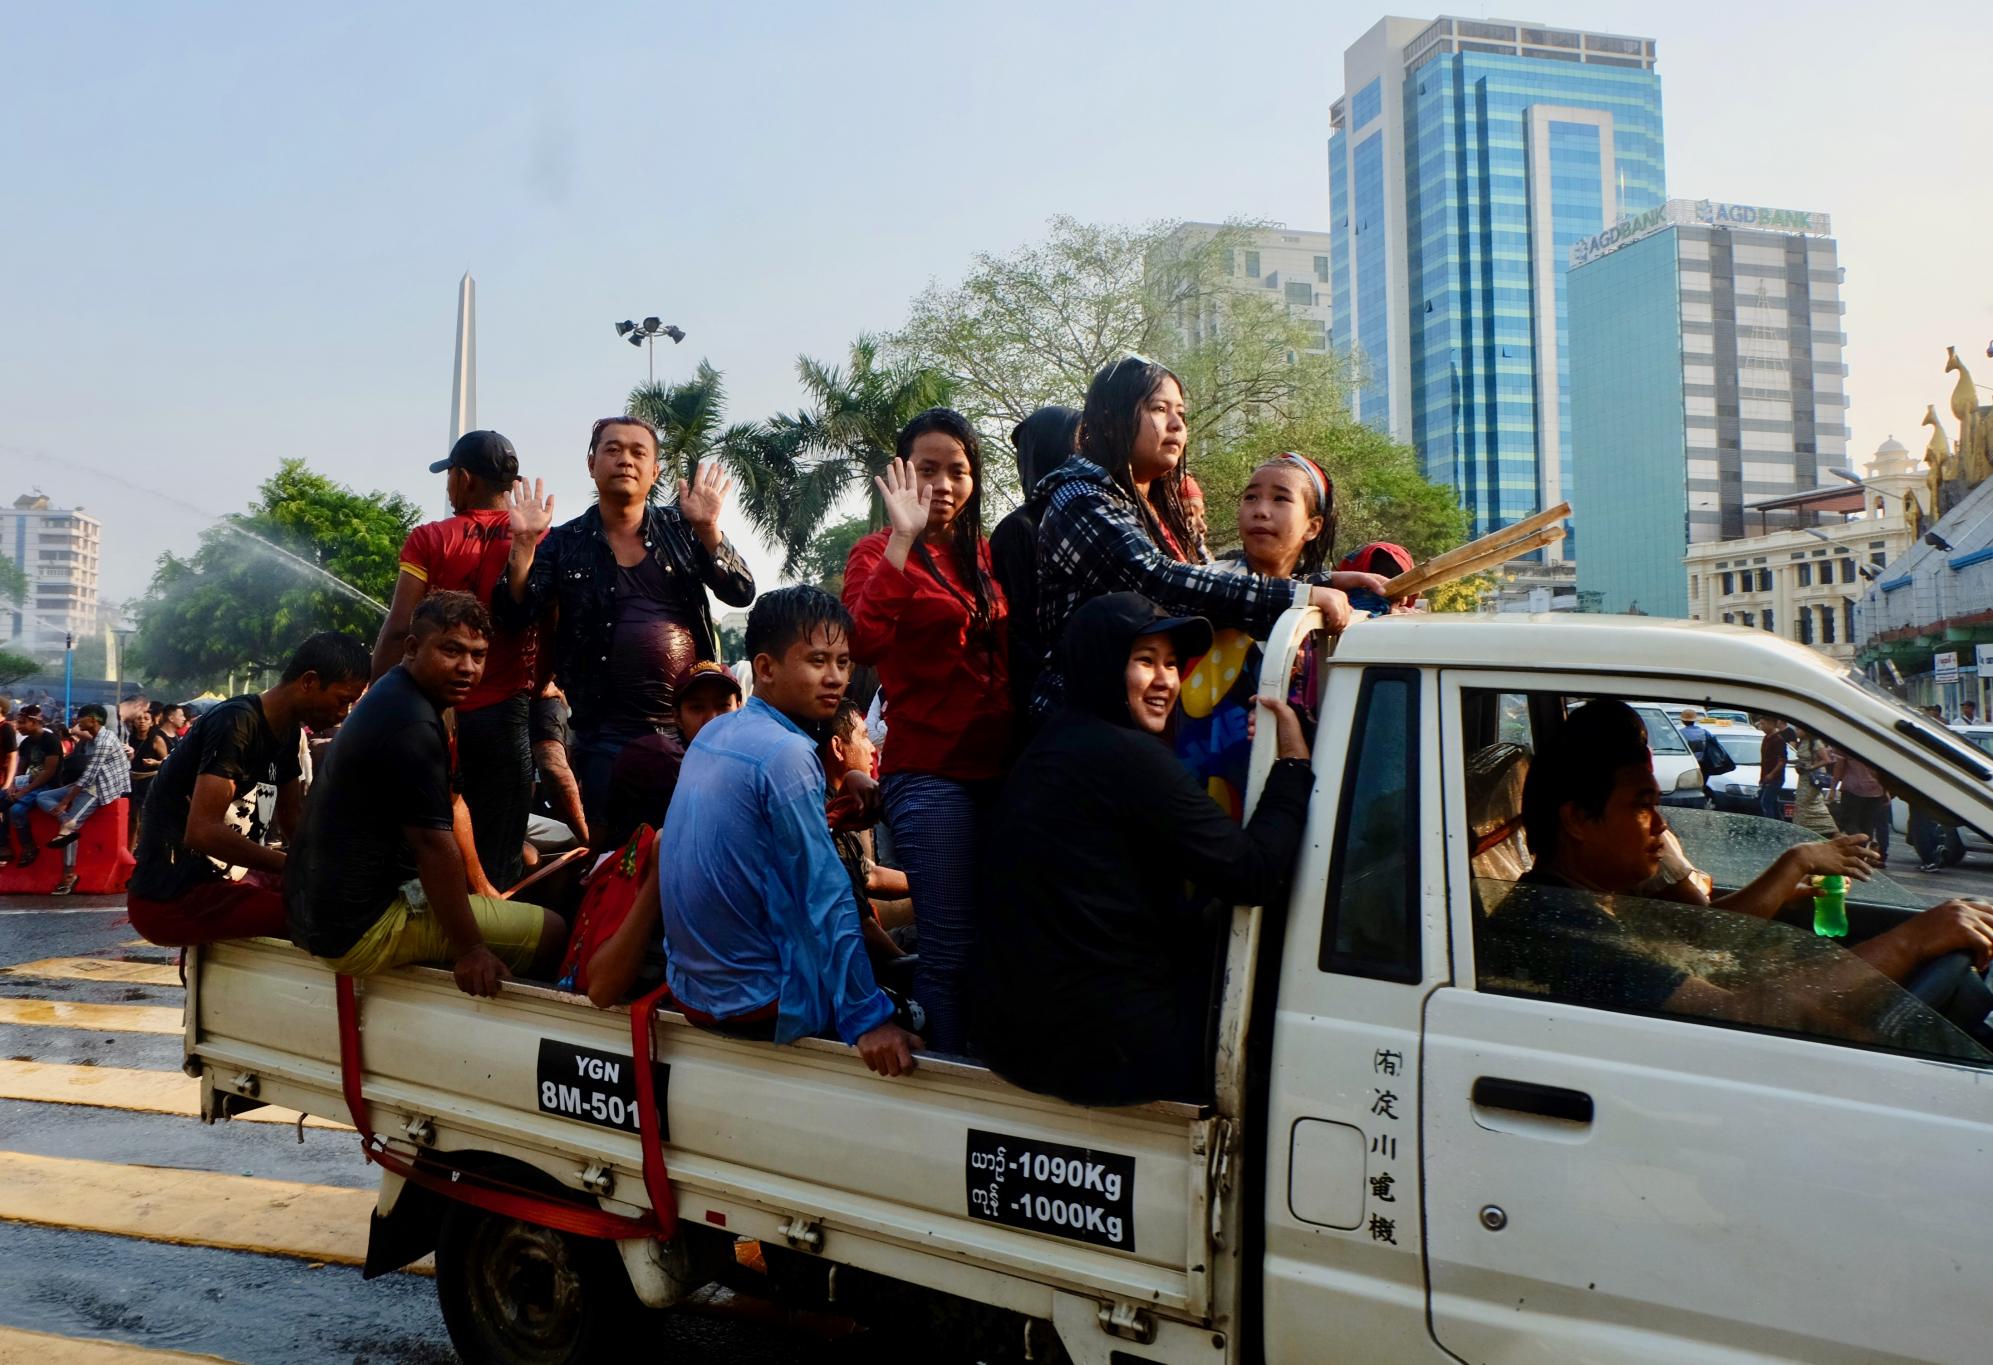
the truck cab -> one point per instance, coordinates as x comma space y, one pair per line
1418, 1147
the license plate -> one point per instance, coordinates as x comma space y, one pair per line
1048, 1187
597, 1087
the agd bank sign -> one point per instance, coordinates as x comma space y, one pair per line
1697, 213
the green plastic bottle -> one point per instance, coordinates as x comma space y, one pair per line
1830, 907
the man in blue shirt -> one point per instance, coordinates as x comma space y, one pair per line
761, 930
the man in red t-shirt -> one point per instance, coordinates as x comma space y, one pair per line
467, 553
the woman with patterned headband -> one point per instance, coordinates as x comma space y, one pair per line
1287, 530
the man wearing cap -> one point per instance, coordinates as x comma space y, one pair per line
467, 552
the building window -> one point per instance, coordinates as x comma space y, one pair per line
1747, 619
1847, 568
1299, 292
1231, 261
1764, 580
1877, 559
1252, 265
1729, 586
1695, 585
1848, 619
1805, 575
1768, 618
1729, 618
1322, 269
1805, 627
1826, 625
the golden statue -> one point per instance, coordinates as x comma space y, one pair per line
1974, 458
1943, 475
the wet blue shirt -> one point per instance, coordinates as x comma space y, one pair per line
756, 906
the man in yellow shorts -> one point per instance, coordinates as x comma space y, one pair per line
374, 878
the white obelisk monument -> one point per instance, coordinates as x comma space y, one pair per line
463, 381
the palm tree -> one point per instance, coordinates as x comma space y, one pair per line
804, 464
687, 419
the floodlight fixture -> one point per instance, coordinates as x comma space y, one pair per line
651, 325
625, 327
1937, 542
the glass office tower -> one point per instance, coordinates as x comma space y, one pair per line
1468, 159
1708, 385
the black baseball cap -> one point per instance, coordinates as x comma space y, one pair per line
485, 454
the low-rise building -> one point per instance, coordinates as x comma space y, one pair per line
1804, 582
59, 549
1289, 265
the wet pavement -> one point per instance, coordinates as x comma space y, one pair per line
242, 1306
275, 1309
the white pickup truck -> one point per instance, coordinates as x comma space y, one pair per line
1414, 1152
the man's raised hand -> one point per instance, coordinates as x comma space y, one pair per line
701, 500
531, 512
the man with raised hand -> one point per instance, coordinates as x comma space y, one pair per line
629, 577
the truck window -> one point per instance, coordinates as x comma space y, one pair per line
1370, 919
1648, 952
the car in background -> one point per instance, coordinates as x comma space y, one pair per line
1675, 764
1737, 790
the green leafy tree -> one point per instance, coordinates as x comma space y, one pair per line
823, 563
243, 600
795, 469
690, 418
13, 583
1035, 325
1380, 493
14, 667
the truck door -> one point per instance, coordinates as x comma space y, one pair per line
1611, 1177
1365, 938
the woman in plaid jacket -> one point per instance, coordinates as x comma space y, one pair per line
1115, 522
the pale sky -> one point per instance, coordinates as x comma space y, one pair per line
232, 233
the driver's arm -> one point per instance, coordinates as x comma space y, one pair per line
1788, 877
1953, 927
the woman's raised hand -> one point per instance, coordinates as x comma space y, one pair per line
906, 501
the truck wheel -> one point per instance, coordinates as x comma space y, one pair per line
514, 1293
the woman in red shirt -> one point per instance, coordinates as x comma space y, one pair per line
930, 617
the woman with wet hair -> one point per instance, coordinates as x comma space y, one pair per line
1115, 521
929, 615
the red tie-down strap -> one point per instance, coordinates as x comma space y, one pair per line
501, 1197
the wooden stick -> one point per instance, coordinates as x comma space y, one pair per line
1477, 550
1427, 577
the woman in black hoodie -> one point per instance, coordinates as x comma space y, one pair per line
1095, 970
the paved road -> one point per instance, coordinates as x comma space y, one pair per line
124, 1219
116, 1203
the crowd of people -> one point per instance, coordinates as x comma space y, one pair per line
1055, 747
1833, 793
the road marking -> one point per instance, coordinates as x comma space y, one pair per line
94, 1018
68, 910
98, 969
113, 1087
45, 1349
189, 1208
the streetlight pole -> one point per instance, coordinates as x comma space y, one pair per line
649, 330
